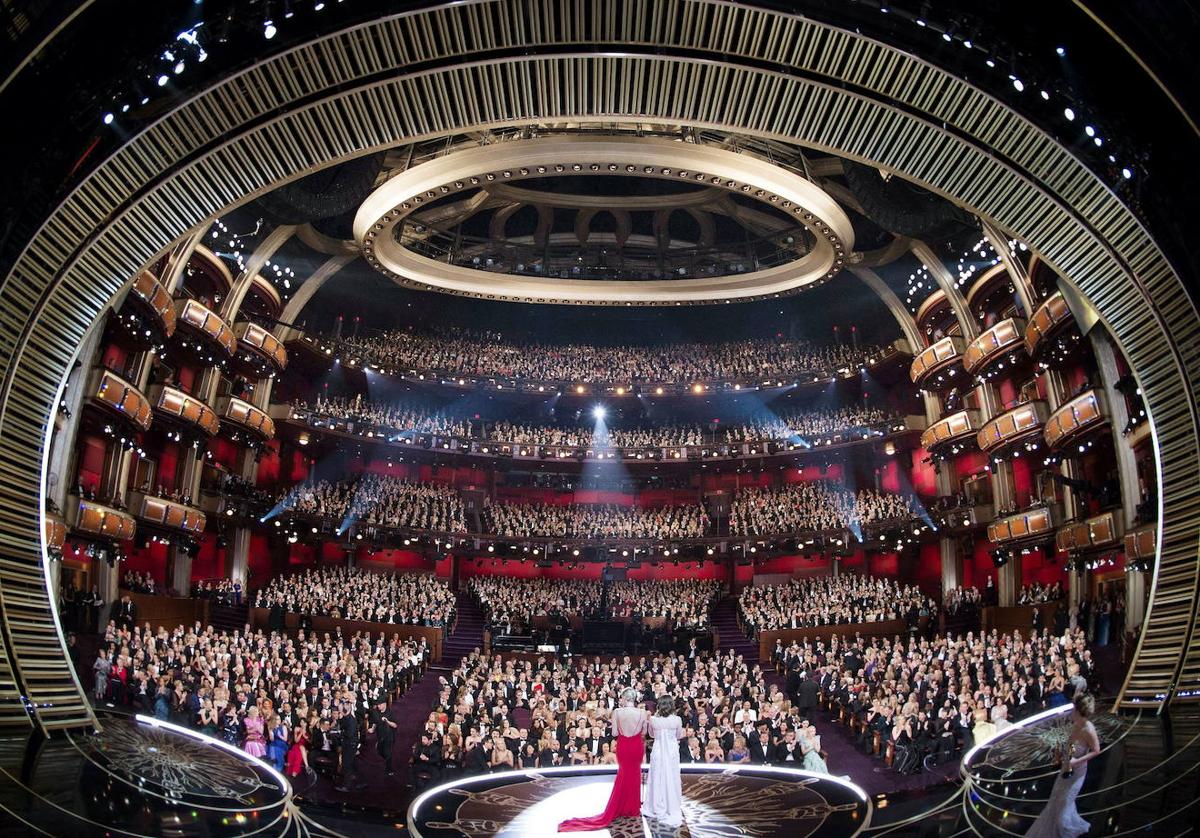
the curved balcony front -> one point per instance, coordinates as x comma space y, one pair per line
950, 429
1049, 321
260, 347
116, 396
1003, 342
939, 365
168, 513
246, 416
1013, 427
186, 409
1031, 526
206, 326
93, 518
150, 295
1076, 419
1099, 532
1142, 543
54, 530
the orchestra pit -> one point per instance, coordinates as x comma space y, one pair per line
394, 395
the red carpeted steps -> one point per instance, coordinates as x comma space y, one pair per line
725, 621
229, 618
468, 631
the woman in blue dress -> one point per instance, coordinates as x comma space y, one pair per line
278, 747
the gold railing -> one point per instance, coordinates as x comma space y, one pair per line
97, 519
936, 366
168, 513
950, 428
156, 299
248, 416
1095, 533
186, 408
206, 322
254, 338
1048, 320
1031, 525
994, 345
117, 395
1081, 414
1013, 426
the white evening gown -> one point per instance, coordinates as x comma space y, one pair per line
1060, 818
664, 796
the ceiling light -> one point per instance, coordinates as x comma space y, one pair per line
269, 31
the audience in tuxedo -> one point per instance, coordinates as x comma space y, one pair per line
828, 601
380, 500
223, 591
347, 593
139, 583
812, 507
600, 521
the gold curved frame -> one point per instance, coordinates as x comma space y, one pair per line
712, 64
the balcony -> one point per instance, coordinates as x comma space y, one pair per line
93, 518
949, 429
1076, 419
1048, 322
260, 349
116, 396
167, 513
1022, 423
246, 416
1097, 533
939, 365
987, 354
54, 530
1142, 544
155, 301
206, 326
185, 409
1029, 527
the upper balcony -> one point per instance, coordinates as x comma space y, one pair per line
1029, 527
205, 326
246, 417
1049, 322
1142, 544
939, 365
1076, 419
117, 397
149, 312
54, 530
1014, 427
167, 513
258, 350
956, 427
1100, 532
188, 410
1001, 345
93, 518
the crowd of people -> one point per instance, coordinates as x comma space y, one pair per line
381, 500
812, 507
466, 354
510, 604
139, 583
291, 701
419, 599
931, 697
599, 521
830, 601
493, 714
365, 414
1038, 593
224, 591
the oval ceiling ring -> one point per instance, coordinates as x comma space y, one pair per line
809, 205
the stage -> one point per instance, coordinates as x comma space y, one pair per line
718, 800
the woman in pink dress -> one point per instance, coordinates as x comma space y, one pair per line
625, 801
255, 744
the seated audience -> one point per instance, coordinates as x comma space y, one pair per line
412, 598
829, 601
813, 507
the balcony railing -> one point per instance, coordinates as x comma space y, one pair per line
1047, 322
1023, 422
1033, 525
153, 297
939, 365
1142, 543
247, 416
1096, 533
207, 325
949, 429
54, 529
187, 409
168, 513
94, 518
117, 396
1076, 419
988, 352
259, 343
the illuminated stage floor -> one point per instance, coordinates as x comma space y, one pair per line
718, 801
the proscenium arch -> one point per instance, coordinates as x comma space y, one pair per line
765, 73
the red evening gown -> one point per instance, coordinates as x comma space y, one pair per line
295, 756
626, 798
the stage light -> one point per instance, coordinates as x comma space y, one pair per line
1126, 173
1018, 84
1089, 130
108, 118
162, 81
1060, 51
269, 30
1069, 114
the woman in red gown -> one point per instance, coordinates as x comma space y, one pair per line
297, 755
625, 801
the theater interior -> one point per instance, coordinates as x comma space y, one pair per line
388, 386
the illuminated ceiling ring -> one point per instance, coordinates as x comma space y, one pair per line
385, 211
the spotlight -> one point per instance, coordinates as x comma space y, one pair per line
1127, 173
269, 31
1060, 51
162, 80
1069, 114
599, 412
108, 118
1018, 84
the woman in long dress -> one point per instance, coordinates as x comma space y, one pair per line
810, 746
629, 726
664, 794
1060, 818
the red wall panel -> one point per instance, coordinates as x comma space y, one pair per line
91, 461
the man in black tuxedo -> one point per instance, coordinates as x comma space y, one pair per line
792, 685
276, 616
788, 751
348, 725
807, 696
425, 758
126, 616
385, 734
689, 750
761, 748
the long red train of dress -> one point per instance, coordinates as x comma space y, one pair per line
626, 798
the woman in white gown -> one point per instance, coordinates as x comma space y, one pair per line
664, 795
1060, 818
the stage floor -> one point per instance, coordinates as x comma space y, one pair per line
718, 801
